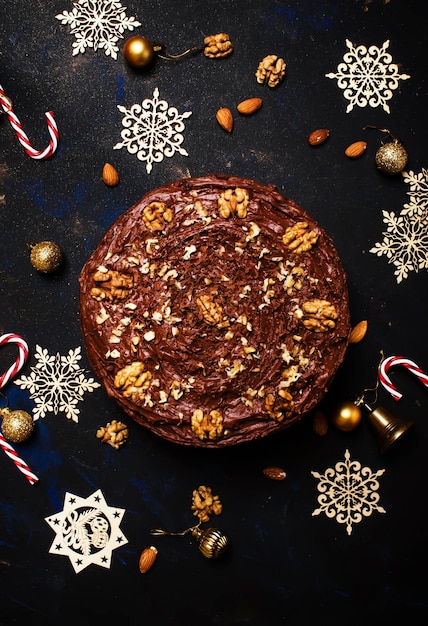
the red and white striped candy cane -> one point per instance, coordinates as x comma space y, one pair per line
391, 361
22, 357
4, 379
20, 463
23, 138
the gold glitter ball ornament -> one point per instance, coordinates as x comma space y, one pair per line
45, 256
391, 158
346, 416
17, 426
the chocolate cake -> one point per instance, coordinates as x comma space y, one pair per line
215, 311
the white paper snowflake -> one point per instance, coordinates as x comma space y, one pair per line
152, 130
405, 241
97, 24
367, 76
348, 492
57, 383
87, 530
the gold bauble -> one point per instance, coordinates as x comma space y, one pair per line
45, 256
17, 426
346, 416
138, 51
211, 542
391, 158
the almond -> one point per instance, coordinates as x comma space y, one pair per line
356, 149
358, 332
225, 118
251, 105
317, 137
274, 473
147, 559
320, 424
110, 175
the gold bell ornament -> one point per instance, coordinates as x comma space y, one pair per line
212, 542
391, 157
388, 428
139, 52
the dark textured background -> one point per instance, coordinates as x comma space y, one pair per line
284, 566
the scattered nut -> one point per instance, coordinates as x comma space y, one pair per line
271, 70
356, 149
249, 106
110, 175
147, 559
358, 332
320, 424
205, 504
217, 46
274, 473
225, 118
317, 137
115, 434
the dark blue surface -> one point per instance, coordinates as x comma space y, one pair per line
285, 566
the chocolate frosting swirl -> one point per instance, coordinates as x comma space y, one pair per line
213, 308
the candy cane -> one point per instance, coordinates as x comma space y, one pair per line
22, 357
4, 379
20, 463
391, 361
23, 138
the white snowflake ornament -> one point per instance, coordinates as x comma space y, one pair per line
405, 240
348, 492
87, 530
57, 383
367, 76
153, 130
97, 24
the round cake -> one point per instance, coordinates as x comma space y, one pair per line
215, 311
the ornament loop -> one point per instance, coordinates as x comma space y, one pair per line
159, 531
158, 48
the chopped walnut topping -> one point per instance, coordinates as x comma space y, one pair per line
318, 315
205, 504
298, 238
211, 310
236, 368
133, 379
207, 426
113, 286
279, 407
271, 70
114, 433
156, 215
233, 201
217, 46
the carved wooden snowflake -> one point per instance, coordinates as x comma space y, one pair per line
405, 241
87, 530
152, 130
57, 383
367, 76
348, 492
97, 24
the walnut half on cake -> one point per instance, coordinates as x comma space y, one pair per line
215, 311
